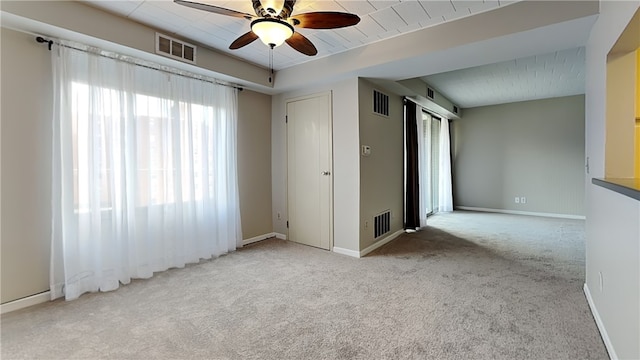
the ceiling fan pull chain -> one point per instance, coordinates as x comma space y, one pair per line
271, 63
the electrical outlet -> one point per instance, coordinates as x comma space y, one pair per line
279, 216
517, 200
366, 224
523, 200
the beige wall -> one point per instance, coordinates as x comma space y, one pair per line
254, 163
74, 20
26, 105
381, 173
532, 149
621, 84
346, 183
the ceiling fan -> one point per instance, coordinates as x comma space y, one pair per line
275, 25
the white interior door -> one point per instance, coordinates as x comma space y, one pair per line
309, 166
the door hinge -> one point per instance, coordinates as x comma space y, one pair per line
287, 224
587, 165
286, 119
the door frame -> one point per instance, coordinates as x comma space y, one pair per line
329, 95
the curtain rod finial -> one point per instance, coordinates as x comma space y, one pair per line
41, 40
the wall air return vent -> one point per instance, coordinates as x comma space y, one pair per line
175, 49
380, 103
382, 224
430, 93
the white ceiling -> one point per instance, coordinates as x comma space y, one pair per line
542, 74
560, 73
380, 19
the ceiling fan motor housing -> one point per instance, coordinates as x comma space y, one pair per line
286, 11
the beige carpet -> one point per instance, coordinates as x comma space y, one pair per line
471, 286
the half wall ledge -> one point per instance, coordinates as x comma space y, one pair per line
627, 187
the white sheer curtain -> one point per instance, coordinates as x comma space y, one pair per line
445, 189
144, 172
424, 131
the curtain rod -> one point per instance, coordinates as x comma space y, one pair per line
431, 112
189, 75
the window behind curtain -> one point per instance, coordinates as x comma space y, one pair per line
144, 172
155, 174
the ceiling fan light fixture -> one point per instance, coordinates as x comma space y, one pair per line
272, 32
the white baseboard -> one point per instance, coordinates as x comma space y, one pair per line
343, 251
603, 332
359, 254
25, 302
263, 237
518, 212
381, 242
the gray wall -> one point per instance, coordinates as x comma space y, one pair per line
381, 173
25, 148
532, 149
613, 220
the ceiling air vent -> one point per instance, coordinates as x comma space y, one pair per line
380, 103
175, 49
455, 109
430, 93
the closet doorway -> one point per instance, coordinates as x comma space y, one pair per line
309, 170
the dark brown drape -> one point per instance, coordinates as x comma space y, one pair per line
412, 195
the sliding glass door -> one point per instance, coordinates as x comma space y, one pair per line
428, 187
430, 174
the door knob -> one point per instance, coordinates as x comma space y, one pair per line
326, 173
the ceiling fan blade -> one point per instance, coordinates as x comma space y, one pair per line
325, 20
243, 40
213, 9
300, 43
